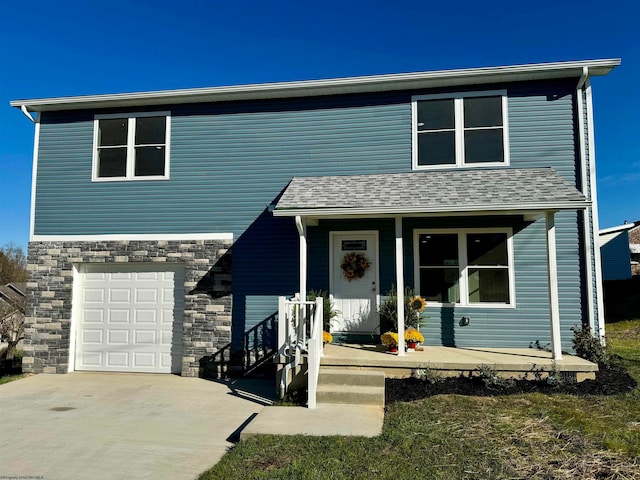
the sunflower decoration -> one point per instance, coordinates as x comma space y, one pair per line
417, 303
354, 265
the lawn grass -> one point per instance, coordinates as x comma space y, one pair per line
531, 435
11, 378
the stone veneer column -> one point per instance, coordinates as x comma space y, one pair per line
207, 305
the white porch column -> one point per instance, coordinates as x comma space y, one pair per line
554, 303
400, 285
302, 233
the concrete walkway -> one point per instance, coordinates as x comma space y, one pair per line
327, 419
106, 426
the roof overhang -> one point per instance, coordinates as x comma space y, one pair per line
618, 228
505, 191
336, 86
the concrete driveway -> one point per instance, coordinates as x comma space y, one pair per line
106, 426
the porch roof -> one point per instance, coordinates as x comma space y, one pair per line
472, 191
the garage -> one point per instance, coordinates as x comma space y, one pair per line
128, 317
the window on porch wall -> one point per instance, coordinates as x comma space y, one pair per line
465, 268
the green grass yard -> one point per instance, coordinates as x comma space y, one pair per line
467, 437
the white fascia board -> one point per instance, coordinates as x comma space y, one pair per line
336, 86
132, 236
490, 210
619, 228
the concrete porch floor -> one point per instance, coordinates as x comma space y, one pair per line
509, 362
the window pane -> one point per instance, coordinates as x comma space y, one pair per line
437, 148
483, 111
112, 132
438, 249
435, 114
149, 161
440, 285
112, 162
150, 130
487, 249
482, 146
488, 285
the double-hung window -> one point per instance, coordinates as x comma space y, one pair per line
131, 147
465, 267
465, 129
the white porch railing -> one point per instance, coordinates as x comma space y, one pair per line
299, 332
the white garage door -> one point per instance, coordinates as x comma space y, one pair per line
129, 318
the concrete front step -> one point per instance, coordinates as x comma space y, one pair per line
350, 395
350, 386
350, 376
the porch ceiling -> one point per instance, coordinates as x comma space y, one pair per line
491, 191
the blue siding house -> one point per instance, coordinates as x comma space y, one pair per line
615, 252
165, 225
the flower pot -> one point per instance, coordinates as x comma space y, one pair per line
412, 345
392, 348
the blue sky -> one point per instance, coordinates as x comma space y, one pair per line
50, 49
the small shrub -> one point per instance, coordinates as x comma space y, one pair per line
427, 375
490, 378
591, 348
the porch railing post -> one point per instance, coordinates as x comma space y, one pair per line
554, 303
400, 284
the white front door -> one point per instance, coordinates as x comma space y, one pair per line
354, 292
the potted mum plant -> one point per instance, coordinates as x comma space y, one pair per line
413, 337
390, 339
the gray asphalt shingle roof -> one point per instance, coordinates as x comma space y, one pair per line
433, 191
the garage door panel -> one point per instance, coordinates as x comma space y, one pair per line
118, 336
92, 336
140, 315
119, 316
91, 359
119, 295
144, 360
93, 295
147, 295
118, 359
93, 316
143, 316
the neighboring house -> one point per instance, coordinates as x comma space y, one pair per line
615, 252
12, 300
167, 224
634, 248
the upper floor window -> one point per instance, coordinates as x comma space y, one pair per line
131, 147
466, 129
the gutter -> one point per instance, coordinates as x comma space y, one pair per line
23, 109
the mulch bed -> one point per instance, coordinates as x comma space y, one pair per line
609, 381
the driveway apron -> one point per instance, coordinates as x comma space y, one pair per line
105, 426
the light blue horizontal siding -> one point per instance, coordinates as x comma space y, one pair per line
616, 258
229, 161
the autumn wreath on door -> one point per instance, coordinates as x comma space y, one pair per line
354, 265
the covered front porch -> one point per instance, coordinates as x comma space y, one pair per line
518, 363
479, 246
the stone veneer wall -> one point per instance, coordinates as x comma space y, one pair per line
207, 314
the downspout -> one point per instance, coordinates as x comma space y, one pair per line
587, 213
23, 109
594, 208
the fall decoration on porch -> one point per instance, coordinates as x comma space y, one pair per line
414, 305
390, 339
417, 303
327, 337
354, 265
412, 337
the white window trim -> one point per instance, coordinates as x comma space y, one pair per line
131, 147
463, 266
459, 129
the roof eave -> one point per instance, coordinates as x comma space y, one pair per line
516, 209
337, 86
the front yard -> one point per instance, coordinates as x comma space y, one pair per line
451, 436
